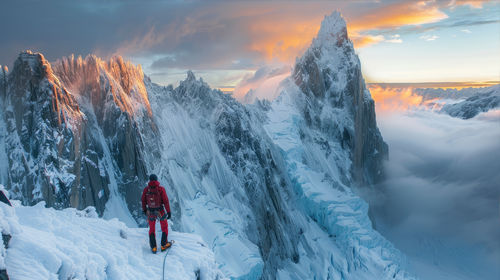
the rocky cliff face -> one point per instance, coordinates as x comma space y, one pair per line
75, 130
42, 119
115, 100
337, 101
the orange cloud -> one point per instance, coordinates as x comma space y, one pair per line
283, 35
272, 32
392, 16
401, 97
394, 99
397, 15
360, 41
476, 4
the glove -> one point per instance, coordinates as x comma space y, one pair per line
146, 213
169, 215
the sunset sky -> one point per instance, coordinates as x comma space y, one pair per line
226, 42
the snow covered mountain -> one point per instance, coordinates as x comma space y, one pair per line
484, 100
74, 133
269, 186
463, 103
449, 93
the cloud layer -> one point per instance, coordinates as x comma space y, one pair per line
442, 195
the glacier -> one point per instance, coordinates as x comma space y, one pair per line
269, 187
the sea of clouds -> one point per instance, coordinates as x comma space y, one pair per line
440, 203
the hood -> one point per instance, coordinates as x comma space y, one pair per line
153, 184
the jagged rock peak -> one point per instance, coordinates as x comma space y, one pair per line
329, 75
191, 90
34, 64
330, 62
333, 30
190, 76
116, 65
191, 80
33, 58
95, 78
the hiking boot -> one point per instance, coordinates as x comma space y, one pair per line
154, 250
167, 245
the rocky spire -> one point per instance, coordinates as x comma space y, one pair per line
333, 31
329, 74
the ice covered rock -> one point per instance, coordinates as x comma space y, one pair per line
336, 100
78, 133
113, 96
41, 121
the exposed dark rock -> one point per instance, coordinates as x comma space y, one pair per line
340, 94
6, 238
76, 128
3, 274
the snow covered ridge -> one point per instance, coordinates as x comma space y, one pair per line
268, 186
484, 100
71, 244
452, 93
463, 103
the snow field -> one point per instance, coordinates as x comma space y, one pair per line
72, 244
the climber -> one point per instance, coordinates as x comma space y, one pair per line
154, 199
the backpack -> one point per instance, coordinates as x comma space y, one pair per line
153, 198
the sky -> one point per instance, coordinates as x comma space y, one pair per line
228, 42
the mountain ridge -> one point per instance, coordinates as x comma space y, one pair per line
268, 185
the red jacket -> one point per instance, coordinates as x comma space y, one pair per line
162, 193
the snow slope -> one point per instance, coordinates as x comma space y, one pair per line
72, 244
